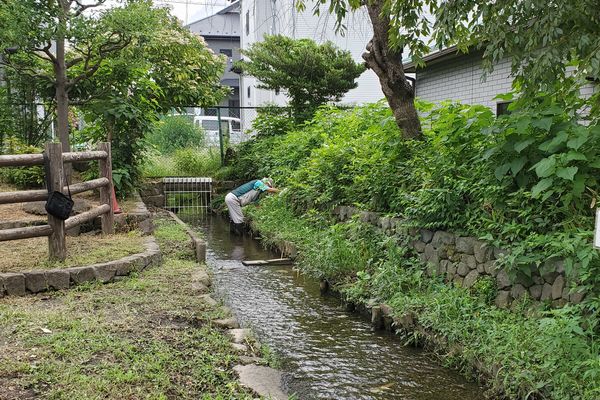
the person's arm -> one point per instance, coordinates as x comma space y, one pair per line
259, 185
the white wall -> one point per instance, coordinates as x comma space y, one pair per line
462, 79
281, 17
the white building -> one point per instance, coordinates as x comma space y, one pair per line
451, 75
270, 17
221, 31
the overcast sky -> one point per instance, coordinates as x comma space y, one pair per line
193, 10
186, 10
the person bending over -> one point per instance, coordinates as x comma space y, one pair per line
248, 193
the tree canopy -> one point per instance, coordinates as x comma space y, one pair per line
122, 66
311, 74
546, 40
64, 43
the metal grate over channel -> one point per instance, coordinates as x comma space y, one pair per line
188, 195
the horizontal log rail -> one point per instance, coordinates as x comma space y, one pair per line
79, 219
85, 156
53, 159
42, 195
25, 233
29, 160
21, 160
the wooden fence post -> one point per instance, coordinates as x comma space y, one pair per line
106, 192
57, 245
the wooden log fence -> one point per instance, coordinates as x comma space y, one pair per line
56, 229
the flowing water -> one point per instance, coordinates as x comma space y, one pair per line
325, 351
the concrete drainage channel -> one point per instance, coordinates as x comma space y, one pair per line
264, 381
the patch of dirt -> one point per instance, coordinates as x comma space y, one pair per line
10, 390
32, 254
14, 212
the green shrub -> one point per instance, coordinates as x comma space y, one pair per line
273, 120
22, 177
176, 132
194, 162
548, 354
473, 174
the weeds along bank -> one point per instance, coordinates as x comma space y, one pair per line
524, 183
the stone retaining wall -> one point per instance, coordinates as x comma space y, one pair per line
463, 260
20, 284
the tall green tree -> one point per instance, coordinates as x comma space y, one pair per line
166, 67
71, 37
398, 25
311, 74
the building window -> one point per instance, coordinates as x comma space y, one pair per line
248, 91
277, 92
247, 22
227, 52
502, 108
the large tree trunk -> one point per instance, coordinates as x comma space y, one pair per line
62, 97
387, 65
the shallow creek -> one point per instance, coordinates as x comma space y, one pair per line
325, 351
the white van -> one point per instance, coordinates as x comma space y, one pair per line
231, 128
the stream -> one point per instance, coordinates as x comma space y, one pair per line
325, 351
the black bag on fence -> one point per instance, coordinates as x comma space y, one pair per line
58, 205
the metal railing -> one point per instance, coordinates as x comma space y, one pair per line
56, 228
190, 195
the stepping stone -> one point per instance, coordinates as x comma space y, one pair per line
239, 335
226, 323
206, 299
265, 381
245, 360
241, 348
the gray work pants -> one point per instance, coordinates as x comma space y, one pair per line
235, 208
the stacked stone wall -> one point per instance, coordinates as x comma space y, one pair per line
463, 260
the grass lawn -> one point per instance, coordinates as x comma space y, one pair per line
145, 337
32, 254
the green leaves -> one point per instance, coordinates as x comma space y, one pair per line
543, 123
547, 150
541, 186
545, 167
579, 140
567, 173
522, 145
517, 165
311, 74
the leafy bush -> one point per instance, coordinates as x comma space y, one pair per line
546, 150
175, 132
473, 174
272, 120
551, 355
22, 177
